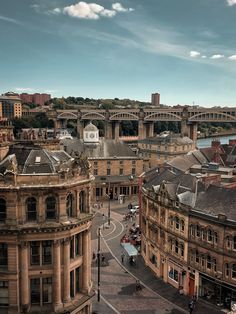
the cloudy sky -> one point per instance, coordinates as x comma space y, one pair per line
183, 49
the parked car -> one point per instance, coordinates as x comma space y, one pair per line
134, 209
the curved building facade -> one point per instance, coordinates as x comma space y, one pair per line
45, 232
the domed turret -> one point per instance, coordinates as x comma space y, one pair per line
91, 133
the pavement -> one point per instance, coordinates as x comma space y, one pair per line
118, 281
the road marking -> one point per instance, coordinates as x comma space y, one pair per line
122, 230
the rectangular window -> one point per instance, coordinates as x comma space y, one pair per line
3, 255
35, 291
173, 274
77, 285
108, 171
4, 293
95, 163
47, 252
77, 244
133, 163
35, 253
47, 290
121, 171
72, 251
133, 171
72, 292
95, 172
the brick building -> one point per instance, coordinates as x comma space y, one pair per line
37, 98
45, 235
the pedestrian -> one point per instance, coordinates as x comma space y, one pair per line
191, 306
103, 259
94, 255
122, 258
138, 286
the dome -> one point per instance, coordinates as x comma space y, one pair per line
90, 128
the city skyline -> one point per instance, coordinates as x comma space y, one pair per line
129, 49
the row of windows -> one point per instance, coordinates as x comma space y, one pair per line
204, 261
41, 251
50, 207
177, 247
121, 171
177, 223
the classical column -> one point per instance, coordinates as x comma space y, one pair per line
150, 126
66, 271
117, 130
86, 261
24, 286
57, 274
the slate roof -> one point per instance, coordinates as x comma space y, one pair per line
105, 149
217, 200
167, 138
32, 159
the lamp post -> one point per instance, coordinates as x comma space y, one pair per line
109, 204
98, 261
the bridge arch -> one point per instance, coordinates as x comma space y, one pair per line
162, 116
67, 115
212, 116
93, 115
124, 115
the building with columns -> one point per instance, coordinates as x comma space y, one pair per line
45, 232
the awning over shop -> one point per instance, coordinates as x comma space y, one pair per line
130, 249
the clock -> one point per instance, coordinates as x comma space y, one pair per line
91, 135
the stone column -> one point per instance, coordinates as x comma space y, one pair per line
150, 129
24, 267
57, 274
66, 271
117, 130
80, 128
141, 131
193, 131
108, 130
184, 128
86, 261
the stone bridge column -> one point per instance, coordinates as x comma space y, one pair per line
193, 131
150, 129
80, 128
117, 130
108, 130
184, 128
141, 130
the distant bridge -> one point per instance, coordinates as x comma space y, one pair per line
188, 118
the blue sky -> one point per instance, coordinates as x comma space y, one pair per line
183, 49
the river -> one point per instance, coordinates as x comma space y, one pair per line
206, 142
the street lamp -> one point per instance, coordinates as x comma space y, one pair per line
98, 262
109, 204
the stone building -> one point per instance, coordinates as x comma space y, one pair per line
162, 148
45, 232
10, 106
189, 235
114, 165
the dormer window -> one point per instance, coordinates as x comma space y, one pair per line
38, 159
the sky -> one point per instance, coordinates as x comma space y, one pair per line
183, 49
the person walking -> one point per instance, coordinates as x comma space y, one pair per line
191, 306
103, 259
122, 258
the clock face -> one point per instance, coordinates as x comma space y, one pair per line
91, 135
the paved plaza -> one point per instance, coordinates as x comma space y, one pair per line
118, 281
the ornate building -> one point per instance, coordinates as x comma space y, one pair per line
189, 235
45, 232
114, 165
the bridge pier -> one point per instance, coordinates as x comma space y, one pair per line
80, 128
141, 130
117, 130
149, 129
108, 130
189, 130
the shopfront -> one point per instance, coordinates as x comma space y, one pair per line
176, 274
217, 292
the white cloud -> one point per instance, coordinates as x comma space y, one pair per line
217, 56
92, 11
233, 57
119, 8
231, 2
23, 89
203, 57
194, 54
8, 19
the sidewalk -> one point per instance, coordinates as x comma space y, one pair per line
147, 277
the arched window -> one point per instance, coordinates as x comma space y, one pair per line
182, 249
182, 225
209, 235
197, 231
171, 221
69, 205
176, 247
228, 242
234, 243
31, 207
215, 237
234, 271
177, 222
208, 262
50, 207
226, 270
197, 257
82, 204
3, 210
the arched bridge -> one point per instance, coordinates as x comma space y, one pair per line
187, 116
